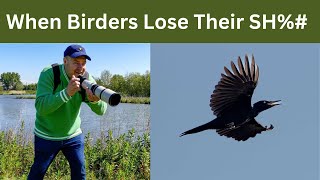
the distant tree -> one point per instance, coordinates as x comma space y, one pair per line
118, 84
132, 84
18, 86
98, 81
10, 80
32, 86
106, 77
146, 84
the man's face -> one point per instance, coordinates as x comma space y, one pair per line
75, 66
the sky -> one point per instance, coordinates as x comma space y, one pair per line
29, 59
183, 78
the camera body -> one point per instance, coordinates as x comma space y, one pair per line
105, 94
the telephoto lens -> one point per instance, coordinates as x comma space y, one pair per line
105, 94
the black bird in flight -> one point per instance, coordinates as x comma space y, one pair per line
231, 103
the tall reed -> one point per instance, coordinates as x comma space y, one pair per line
108, 157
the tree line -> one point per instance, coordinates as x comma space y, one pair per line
11, 81
131, 84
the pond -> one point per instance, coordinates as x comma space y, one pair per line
119, 119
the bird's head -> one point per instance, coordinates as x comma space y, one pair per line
264, 105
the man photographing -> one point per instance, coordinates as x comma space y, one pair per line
57, 125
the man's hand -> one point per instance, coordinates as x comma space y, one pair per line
91, 96
73, 86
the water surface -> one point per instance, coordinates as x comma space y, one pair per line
119, 119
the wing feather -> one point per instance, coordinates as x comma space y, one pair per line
247, 69
235, 88
253, 68
242, 71
257, 74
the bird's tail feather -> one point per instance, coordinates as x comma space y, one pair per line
203, 127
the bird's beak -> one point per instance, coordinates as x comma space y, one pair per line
274, 103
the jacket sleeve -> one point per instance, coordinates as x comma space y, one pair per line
47, 102
99, 107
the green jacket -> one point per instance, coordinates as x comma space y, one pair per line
57, 116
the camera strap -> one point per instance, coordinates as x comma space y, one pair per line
57, 81
56, 76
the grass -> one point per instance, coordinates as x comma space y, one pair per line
124, 157
15, 92
26, 96
136, 100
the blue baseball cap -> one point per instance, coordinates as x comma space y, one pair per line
75, 51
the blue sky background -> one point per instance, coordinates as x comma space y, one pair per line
183, 78
29, 59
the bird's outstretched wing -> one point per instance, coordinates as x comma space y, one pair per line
244, 131
235, 89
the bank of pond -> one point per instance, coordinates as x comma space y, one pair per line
31, 95
133, 100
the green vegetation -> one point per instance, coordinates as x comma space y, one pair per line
136, 100
26, 97
11, 80
14, 92
124, 157
132, 84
